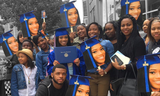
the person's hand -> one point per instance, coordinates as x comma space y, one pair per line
101, 72
72, 34
77, 61
116, 65
155, 94
111, 87
55, 63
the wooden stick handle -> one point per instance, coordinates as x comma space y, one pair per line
99, 69
44, 20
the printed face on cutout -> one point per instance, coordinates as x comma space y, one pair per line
13, 44
98, 54
154, 77
72, 16
155, 30
33, 26
82, 90
135, 9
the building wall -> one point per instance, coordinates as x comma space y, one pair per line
152, 9
95, 11
153, 6
102, 11
7, 27
14, 29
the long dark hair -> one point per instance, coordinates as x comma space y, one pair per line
115, 25
58, 44
141, 79
19, 35
121, 37
29, 62
5, 50
99, 28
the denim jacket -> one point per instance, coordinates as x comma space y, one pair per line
108, 46
41, 62
18, 80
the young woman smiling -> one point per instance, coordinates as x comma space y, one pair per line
75, 68
130, 44
82, 35
154, 36
95, 29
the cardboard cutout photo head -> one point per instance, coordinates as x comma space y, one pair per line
148, 73
30, 26
94, 54
78, 86
132, 7
9, 43
69, 15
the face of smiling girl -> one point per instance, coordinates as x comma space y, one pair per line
63, 40
81, 31
155, 30
126, 27
33, 26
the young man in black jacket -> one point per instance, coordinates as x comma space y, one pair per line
54, 85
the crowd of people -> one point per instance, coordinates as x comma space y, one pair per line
33, 69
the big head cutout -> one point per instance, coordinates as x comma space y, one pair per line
9, 43
30, 26
132, 7
148, 73
69, 15
79, 86
94, 54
